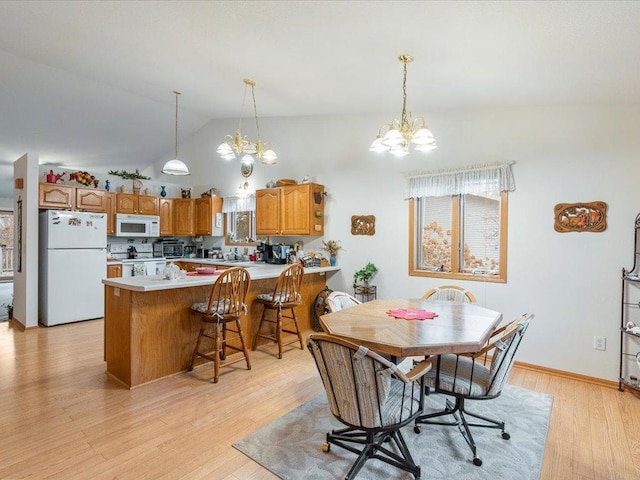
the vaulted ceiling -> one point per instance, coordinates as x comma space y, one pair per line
89, 84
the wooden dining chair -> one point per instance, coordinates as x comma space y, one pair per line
285, 297
450, 293
340, 300
372, 398
220, 326
467, 377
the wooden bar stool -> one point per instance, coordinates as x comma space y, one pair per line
285, 296
221, 316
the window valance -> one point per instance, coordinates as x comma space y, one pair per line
476, 179
239, 204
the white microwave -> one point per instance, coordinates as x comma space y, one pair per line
137, 225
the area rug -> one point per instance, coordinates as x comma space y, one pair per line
290, 446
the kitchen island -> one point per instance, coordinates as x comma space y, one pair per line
149, 332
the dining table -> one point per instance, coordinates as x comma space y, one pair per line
414, 327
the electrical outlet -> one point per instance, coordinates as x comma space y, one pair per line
599, 343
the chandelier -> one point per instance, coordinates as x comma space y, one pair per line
399, 134
175, 166
240, 146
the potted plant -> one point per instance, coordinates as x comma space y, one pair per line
364, 275
136, 176
9, 307
331, 247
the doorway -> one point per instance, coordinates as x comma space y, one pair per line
6, 263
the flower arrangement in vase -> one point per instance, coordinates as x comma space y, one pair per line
331, 247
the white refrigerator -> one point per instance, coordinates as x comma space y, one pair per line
73, 258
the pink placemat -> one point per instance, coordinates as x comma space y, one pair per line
412, 314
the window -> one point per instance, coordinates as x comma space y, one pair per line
241, 228
6, 245
456, 229
240, 221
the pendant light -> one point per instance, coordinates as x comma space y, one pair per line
240, 146
408, 131
175, 166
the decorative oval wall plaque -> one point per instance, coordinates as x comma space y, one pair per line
363, 225
580, 217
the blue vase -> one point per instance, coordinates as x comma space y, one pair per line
332, 260
107, 185
163, 192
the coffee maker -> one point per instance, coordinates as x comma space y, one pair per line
261, 252
277, 254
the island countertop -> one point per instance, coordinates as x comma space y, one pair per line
149, 328
157, 282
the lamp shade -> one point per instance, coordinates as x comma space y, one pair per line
175, 167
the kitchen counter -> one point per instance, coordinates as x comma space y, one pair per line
223, 263
150, 333
257, 271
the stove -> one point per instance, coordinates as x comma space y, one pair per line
144, 263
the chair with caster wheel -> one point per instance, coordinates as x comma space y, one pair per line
372, 398
468, 377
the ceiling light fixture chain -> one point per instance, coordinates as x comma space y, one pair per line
241, 146
176, 166
177, 94
400, 134
404, 59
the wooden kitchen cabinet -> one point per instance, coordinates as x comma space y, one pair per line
147, 205
52, 195
206, 209
110, 202
91, 200
183, 216
114, 271
290, 210
268, 207
166, 216
138, 204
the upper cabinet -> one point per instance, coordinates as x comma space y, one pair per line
208, 216
52, 195
166, 216
139, 204
290, 210
91, 200
183, 217
110, 202
268, 207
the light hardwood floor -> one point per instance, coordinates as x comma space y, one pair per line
62, 418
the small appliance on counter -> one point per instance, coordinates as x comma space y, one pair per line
277, 254
189, 251
260, 252
168, 248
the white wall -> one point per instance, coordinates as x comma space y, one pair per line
25, 301
570, 281
6, 204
